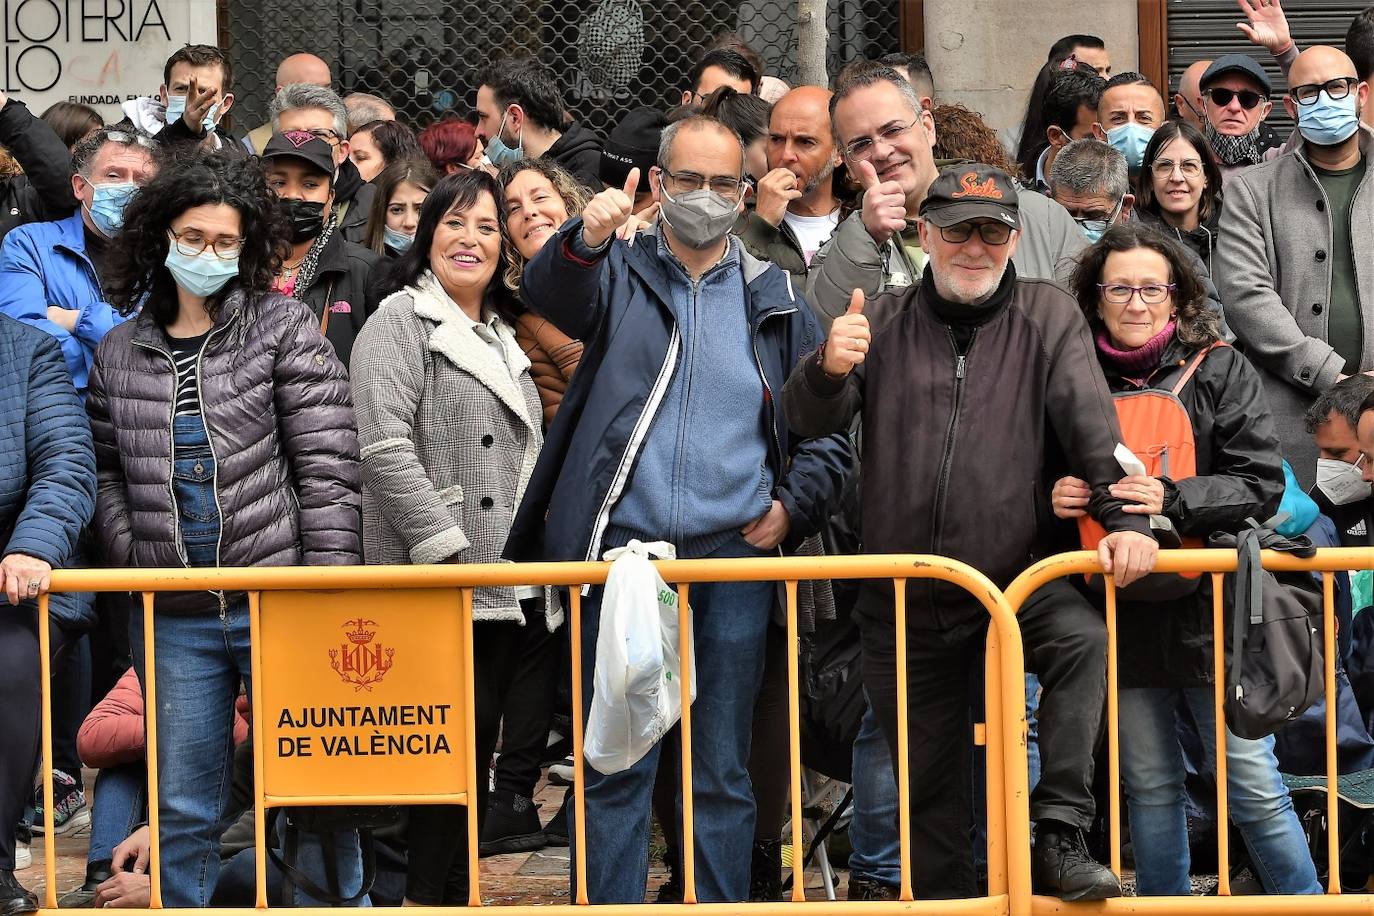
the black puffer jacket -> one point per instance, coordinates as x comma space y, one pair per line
276, 405
1239, 476
44, 191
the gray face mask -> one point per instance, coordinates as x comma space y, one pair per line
698, 218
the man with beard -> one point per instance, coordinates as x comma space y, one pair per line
797, 209
1285, 262
972, 354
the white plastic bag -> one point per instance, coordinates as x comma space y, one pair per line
637, 692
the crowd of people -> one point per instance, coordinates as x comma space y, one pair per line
339, 339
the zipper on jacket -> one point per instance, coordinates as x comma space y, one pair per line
768, 390
679, 455
946, 457
641, 429
210, 441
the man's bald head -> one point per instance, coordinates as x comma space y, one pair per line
804, 101
303, 68
1320, 63
1188, 99
801, 141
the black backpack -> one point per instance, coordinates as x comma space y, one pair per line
1274, 668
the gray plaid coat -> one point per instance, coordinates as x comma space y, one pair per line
448, 432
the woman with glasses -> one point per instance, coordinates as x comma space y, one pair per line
224, 436
1179, 187
1151, 325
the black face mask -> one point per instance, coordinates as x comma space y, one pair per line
307, 220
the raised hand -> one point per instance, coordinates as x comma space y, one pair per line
1267, 25
847, 345
198, 104
608, 211
884, 210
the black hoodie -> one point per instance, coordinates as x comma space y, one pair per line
579, 151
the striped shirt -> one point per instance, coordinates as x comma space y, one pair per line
185, 354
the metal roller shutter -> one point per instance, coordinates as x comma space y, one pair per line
1206, 29
610, 55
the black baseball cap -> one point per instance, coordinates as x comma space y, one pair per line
633, 143
301, 144
973, 191
1235, 63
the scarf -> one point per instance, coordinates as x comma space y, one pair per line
1136, 364
1242, 150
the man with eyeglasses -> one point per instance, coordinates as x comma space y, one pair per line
50, 272
670, 432
875, 116
1090, 179
966, 387
1293, 232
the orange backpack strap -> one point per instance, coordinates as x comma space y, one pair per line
1195, 365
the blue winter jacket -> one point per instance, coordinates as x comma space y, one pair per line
43, 264
616, 302
47, 461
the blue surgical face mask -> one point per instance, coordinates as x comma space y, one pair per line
1329, 121
201, 274
1130, 140
1094, 229
176, 107
498, 154
397, 240
108, 203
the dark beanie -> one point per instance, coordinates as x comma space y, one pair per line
632, 143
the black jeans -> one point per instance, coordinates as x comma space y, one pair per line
528, 708
20, 714
437, 835
1065, 642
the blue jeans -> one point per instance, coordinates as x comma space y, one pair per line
873, 833
201, 661
1152, 772
120, 800
730, 623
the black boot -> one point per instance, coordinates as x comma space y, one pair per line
556, 830
14, 898
871, 889
97, 873
512, 825
1061, 866
765, 871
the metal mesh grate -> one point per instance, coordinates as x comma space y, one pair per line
610, 55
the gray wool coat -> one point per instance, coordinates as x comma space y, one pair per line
1273, 270
448, 432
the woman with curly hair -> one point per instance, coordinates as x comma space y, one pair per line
1147, 307
963, 134
224, 436
540, 197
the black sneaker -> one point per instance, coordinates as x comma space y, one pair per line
512, 825
14, 898
70, 812
1061, 866
556, 830
871, 889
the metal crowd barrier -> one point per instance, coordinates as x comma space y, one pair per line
294, 612
1217, 563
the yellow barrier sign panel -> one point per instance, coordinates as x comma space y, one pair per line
362, 692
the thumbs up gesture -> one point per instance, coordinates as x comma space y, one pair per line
884, 209
608, 211
849, 337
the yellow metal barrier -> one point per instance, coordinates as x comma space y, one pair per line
1217, 562
1008, 838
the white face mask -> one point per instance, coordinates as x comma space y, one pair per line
1342, 483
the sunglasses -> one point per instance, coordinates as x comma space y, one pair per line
1222, 97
